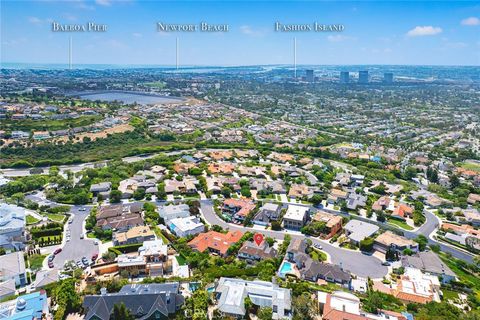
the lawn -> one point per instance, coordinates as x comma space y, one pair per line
471, 166
160, 235
449, 295
56, 217
156, 84
31, 219
181, 260
399, 223
318, 255
36, 261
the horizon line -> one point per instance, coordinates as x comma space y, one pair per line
4, 65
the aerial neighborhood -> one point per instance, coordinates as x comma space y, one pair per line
182, 224
239, 193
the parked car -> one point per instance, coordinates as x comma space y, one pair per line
50, 264
82, 209
81, 236
85, 261
57, 251
79, 264
50, 258
386, 263
95, 242
94, 257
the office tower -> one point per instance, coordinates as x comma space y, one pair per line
309, 76
363, 77
344, 77
388, 77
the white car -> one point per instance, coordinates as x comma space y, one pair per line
95, 242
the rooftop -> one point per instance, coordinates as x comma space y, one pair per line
295, 212
359, 230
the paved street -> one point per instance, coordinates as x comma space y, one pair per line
353, 261
428, 227
76, 248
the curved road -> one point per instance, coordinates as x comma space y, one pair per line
427, 228
353, 261
430, 225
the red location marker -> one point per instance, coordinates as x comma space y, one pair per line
258, 237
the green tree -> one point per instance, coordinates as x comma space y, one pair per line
434, 311
316, 199
248, 304
366, 244
226, 192
115, 196
276, 225
264, 313
67, 298
374, 302
432, 175
245, 191
422, 242
410, 173
454, 181
139, 194
302, 307
120, 312
200, 304
18, 197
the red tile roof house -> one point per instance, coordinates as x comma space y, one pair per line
403, 211
381, 204
238, 209
215, 242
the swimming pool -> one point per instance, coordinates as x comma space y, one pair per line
285, 268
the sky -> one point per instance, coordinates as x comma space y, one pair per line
375, 32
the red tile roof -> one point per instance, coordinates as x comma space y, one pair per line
215, 241
246, 206
402, 210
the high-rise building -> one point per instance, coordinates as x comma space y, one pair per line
344, 77
309, 75
363, 77
388, 77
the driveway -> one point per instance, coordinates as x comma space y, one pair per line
76, 248
353, 261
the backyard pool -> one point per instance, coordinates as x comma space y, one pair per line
285, 268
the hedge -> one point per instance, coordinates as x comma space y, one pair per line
38, 233
127, 248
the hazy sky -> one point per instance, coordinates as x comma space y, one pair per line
376, 32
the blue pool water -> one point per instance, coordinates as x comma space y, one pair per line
285, 268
